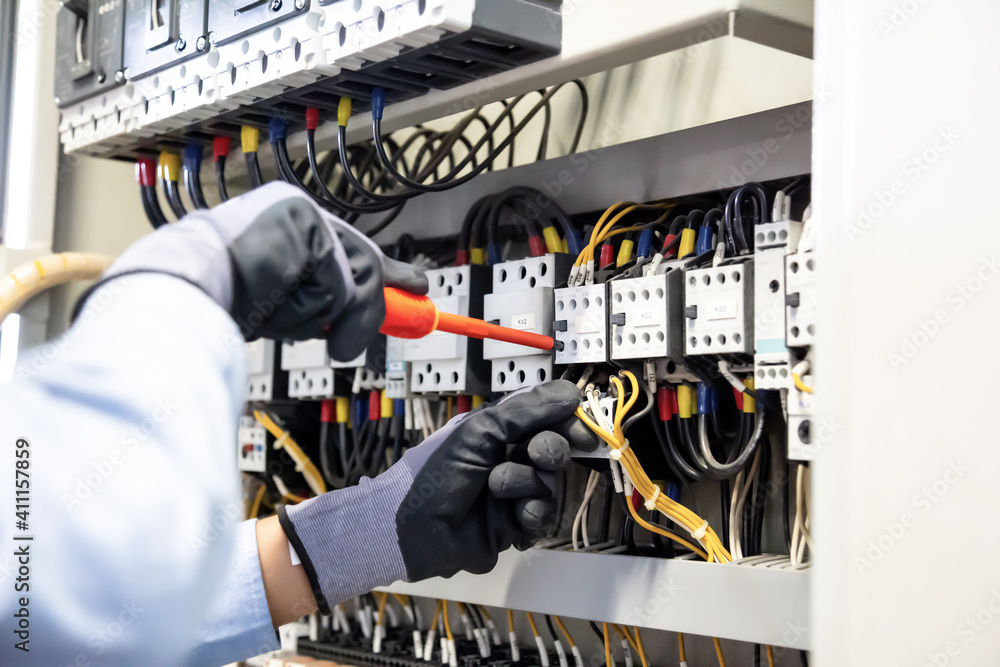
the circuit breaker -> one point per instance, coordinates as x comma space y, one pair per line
251, 438
522, 299
647, 317
89, 38
581, 324
772, 242
443, 362
261, 370
160, 33
800, 299
311, 371
719, 310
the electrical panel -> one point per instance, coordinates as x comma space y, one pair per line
646, 317
719, 310
522, 299
89, 42
196, 69
443, 362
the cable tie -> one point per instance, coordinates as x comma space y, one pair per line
616, 454
651, 502
700, 533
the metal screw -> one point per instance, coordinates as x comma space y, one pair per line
120, 76
101, 77
211, 37
181, 44
201, 44
300, 4
58, 101
275, 5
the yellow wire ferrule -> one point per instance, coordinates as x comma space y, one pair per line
343, 409
686, 246
477, 401
749, 402
477, 256
249, 138
625, 253
386, 408
344, 111
170, 166
684, 400
552, 241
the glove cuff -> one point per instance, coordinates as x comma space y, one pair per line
346, 539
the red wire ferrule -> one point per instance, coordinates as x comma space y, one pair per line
312, 118
536, 246
739, 399
220, 147
463, 404
327, 411
145, 171
461, 257
664, 405
607, 255
374, 405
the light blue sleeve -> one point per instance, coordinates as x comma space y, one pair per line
137, 552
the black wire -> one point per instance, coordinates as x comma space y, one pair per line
220, 177
552, 628
174, 198
253, 169
324, 190
151, 205
756, 655
192, 182
803, 658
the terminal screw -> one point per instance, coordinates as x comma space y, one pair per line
275, 5
201, 44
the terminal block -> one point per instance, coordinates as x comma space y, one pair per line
581, 324
719, 310
800, 299
397, 369
311, 371
251, 438
443, 362
772, 242
522, 299
646, 316
264, 383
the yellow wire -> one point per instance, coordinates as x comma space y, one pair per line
383, 599
607, 647
482, 610
800, 385
600, 231
618, 630
447, 625
638, 641
402, 599
718, 652
713, 548
510, 621
562, 627
255, 508
623, 631
284, 439
292, 499
680, 647
531, 622
770, 656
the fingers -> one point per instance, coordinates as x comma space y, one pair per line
509, 481
578, 434
536, 515
549, 451
404, 276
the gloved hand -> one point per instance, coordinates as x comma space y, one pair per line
281, 266
473, 489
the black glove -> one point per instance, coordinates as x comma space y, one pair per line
470, 491
281, 266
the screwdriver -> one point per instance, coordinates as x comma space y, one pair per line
410, 315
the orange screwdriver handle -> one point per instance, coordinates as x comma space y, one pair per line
408, 315
411, 316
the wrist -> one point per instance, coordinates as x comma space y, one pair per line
346, 539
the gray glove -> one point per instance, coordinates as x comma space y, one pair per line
470, 491
281, 266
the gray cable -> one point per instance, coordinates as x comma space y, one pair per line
718, 470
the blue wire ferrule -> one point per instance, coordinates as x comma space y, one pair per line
277, 130
493, 255
706, 401
399, 406
673, 491
192, 158
378, 102
573, 242
645, 247
704, 243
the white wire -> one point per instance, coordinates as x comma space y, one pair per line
734, 524
591, 485
743, 496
